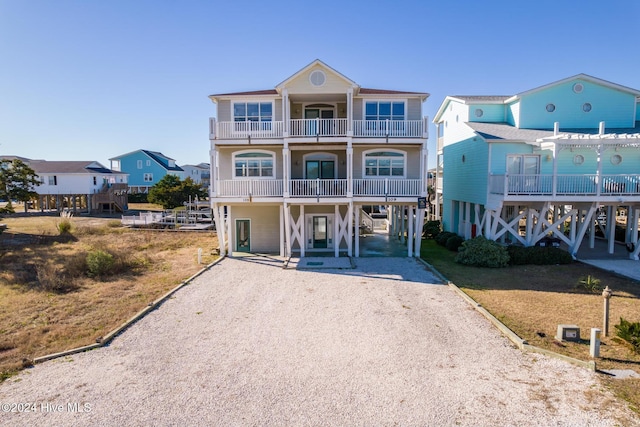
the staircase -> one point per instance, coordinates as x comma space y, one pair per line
111, 197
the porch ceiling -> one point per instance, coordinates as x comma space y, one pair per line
318, 97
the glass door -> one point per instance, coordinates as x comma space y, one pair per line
243, 234
319, 232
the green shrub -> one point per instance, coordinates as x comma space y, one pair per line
538, 255
441, 238
454, 242
99, 263
590, 283
630, 332
64, 226
431, 229
482, 252
137, 198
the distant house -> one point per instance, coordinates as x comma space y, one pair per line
200, 173
548, 162
145, 168
79, 185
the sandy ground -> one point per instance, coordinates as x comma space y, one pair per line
250, 343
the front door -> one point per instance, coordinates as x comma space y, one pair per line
319, 232
243, 233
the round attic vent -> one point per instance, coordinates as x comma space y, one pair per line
317, 78
578, 88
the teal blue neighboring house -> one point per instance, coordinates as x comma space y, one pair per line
557, 162
145, 168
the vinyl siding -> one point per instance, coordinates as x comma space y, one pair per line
414, 109
614, 107
264, 227
491, 113
333, 83
453, 123
466, 180
513, 114
224, 111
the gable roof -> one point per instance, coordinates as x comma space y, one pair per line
271, 92
350, 82
467, 100
156, 156
70, 167
584, 77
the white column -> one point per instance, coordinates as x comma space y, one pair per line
410, 236
229, 233
418, 239
336, 231
349, 170
286, 171
350, 226
350, 112
283, 230
287, 230
219, 220
403, 239
357, 231
303, 229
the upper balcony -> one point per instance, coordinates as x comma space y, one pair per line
315, 128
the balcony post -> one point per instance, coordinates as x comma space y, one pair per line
286, 113
349, 170
555, 170
212, 128
506, 184
350, 112
286, 172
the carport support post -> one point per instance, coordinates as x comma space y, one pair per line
606, 294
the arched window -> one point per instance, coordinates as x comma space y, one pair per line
388, 163
254, 164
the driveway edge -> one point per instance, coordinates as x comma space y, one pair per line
522, 344
103, 341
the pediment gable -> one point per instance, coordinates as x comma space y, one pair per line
317, 77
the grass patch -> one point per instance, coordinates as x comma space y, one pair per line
50, 302
532, 300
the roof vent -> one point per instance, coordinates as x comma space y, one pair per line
578, 88
317, 78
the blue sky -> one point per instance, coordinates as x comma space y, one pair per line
90, 80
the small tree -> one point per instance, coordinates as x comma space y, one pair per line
17, 181
171, 192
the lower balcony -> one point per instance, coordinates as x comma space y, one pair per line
590, 185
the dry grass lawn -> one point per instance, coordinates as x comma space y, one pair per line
36, 321
533, 300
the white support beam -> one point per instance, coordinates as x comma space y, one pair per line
336, 231
583, 229
282, 230
418, 240
350, 229
410, 236
229, 232
218, 217
357, 230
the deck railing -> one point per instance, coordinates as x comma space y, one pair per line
391, 128
318, 187
249, 187
386, 187
318, 127
565, 185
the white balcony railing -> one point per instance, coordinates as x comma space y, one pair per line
250, 188
565, 185
318, 127
387, 187
391, 128
318, 187
244, 130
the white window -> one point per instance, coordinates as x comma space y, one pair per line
384, 164
53, 180
384, 110
523, 164
254, 164
139, 164
148, 177
148, 162
252, 111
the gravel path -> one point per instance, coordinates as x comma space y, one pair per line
248, 343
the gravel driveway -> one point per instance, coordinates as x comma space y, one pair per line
249, 343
